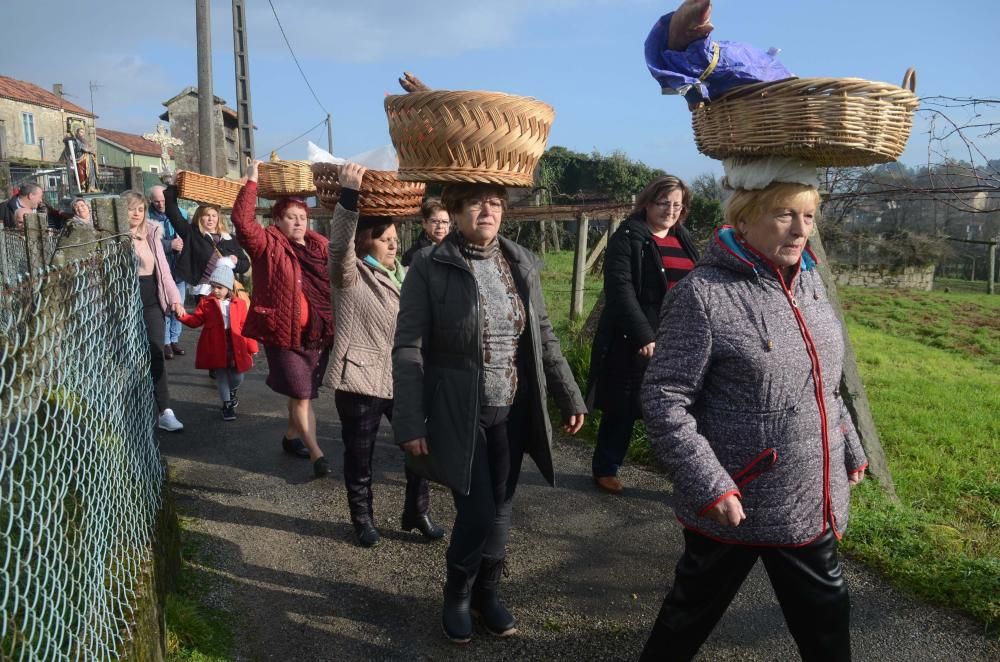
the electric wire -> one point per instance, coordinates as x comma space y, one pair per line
295, 59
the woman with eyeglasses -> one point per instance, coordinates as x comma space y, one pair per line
649, 254
473, 360
436, 224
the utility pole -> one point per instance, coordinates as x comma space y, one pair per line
329, 134
93, 86
206, 98
244, 116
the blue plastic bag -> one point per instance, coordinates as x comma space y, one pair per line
683, 72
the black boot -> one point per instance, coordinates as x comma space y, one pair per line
424, 524
455, 617
366, 533
486, 606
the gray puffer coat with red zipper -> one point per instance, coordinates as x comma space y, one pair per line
741, 398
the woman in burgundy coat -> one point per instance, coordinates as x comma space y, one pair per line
291, 314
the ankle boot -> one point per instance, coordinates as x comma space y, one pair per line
423, 523
485, 603
455, 617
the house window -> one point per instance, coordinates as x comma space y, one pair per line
28, 123
153, 169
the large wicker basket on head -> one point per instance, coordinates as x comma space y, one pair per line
278, 179
828, 121
207, 190
381, 194
481, 137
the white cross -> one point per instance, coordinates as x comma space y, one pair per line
164, 140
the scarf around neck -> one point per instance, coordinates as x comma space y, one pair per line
396, 275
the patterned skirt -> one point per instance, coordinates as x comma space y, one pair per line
296, 373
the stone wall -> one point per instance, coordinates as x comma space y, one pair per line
184, 125
896, 278
50, 125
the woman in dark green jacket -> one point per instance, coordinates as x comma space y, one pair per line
473, 360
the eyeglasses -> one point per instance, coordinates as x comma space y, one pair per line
493, 204
438, 221
674, 206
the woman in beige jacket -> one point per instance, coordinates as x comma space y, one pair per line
366, 277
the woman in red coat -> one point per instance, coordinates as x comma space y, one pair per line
292, 312
222, 346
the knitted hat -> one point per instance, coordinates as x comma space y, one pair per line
222, 275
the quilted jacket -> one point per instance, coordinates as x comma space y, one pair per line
212, 351
741, 398
365, 302
277, 280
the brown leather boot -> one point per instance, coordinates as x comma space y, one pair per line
609, 484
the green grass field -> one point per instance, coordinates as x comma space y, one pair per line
929, 361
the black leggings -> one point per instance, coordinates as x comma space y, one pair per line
152, 315
482, 517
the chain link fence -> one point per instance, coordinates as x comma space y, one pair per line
80, 472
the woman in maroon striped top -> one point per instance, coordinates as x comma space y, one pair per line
646, 256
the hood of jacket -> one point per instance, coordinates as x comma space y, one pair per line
728, 251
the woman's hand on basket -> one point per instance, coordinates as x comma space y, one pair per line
252, 170
728, 512
416, 446
350, 175
573, 424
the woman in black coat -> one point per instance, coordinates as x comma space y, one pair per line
646, 256
207, 240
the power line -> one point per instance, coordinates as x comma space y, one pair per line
299, 137
285, 37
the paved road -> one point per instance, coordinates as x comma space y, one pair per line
588, 571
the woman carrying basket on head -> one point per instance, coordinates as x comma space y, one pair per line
366, 277
474, 359
291, 314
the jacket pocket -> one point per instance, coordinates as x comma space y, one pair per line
757, 466
361, 365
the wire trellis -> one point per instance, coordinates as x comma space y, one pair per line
80, 472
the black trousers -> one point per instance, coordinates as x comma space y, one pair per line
152, 315
807, 581
482, 517
360, 416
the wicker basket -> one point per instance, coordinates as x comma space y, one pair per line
381, 194
484, 137
208, 190
278, 179
828, 121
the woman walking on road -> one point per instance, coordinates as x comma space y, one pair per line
742, 408
158, 294
473, 359
366, 278
291, 314
647, 256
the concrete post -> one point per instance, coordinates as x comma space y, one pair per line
852, 389
206, 98
579, 267
36, 230
991, 277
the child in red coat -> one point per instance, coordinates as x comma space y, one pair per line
222, 346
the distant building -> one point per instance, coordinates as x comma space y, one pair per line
33, 123
182, 113
128, 150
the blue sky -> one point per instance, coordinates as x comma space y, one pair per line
583, 57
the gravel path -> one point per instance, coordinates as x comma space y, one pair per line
587, 570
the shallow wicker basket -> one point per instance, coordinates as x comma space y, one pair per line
828, 121
208, 190
483, 137
278, 179
381, 194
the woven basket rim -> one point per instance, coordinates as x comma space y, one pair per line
488, 94
808, 87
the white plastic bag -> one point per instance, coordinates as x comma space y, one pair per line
380, 158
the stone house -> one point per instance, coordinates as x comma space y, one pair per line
182, 113
33, 123
128, 150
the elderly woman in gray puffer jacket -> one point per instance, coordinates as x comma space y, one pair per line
741, 405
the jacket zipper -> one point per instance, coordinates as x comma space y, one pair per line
817, 376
